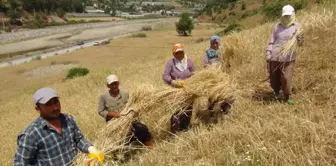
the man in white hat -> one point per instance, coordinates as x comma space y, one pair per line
53, 138
279, 64
113, 101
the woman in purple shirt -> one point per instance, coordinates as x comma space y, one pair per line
179, 68
280, 65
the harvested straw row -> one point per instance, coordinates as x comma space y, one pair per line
155, 105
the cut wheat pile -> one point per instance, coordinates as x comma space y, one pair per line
155, 105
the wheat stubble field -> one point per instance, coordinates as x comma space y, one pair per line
256, 132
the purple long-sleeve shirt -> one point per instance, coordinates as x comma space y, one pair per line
280, 36
172, 73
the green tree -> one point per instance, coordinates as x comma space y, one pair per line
60, 12
14, 12
185, 25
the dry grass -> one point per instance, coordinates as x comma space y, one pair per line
80, 96
257, 132
161, 102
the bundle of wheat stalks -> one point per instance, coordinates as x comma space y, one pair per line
237, 42
309, 21
155, 105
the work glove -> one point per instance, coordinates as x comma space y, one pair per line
95, 154
177, 83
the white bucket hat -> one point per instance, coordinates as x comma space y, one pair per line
288, 10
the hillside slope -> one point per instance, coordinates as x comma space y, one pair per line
259, 132
248, 13
256, 132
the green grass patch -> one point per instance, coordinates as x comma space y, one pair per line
139, 35
37, 58
77, 72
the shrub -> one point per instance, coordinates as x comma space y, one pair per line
146, 28
232, 13
140, 35
8, 29
37, 58
60, 12
185, 25
244, 15
37, 17
249, 13
35, 25
44, 17
77, 72
229, 29
243, 7
232, 5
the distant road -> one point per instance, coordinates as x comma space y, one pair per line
36, 33
46, 55
100, 33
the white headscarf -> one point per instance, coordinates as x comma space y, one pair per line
182, 64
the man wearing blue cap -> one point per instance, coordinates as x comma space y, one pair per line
53, 138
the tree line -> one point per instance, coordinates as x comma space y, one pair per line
45, 6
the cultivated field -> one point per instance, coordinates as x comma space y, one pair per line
256, 132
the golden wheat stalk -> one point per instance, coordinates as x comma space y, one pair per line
149, 103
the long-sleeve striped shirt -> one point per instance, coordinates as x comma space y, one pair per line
41, 145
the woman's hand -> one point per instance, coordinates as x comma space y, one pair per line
300, 40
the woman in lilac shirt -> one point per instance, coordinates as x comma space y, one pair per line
178, 68
280, 65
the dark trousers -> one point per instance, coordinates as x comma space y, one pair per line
281, 76
138, 132
180, 121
